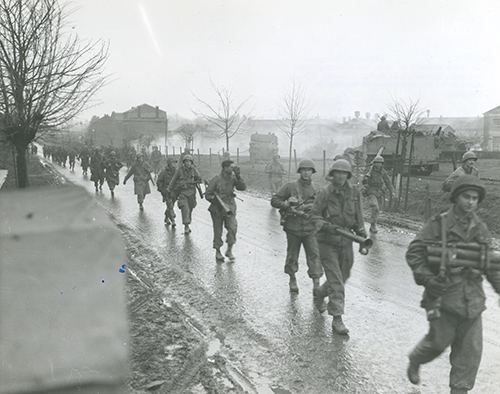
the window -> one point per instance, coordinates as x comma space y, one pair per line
496, 122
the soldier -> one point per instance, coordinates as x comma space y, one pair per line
162, 183
455, 299
142, 175
84, 160
220, 193
295, 201
112, 166
383, 125
336, 205
184, 184
373, 189
71, 158
156, 158
97, 173
275, 172
467, 168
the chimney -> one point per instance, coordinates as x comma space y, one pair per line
157, 111
428, 112
357, 114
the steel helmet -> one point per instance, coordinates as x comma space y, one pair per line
306, 163
466, 182
341, 165
469, 155
188, 157
378, 159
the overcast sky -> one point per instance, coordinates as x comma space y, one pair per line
349, 55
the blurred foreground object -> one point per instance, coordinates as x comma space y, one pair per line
63, 322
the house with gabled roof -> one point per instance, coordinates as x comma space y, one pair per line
492, 129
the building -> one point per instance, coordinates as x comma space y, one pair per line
119, 127
491, 129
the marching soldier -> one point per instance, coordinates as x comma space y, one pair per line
275, 172
113, 166
467, 168
97, 169
184, 184
373, 183
156, 158
295, 201
220, 193
336, 205
84, 160
454, 297
162, 183
142, 175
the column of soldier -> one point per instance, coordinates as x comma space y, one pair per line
326, 222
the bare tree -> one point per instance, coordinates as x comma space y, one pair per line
294, 115
225, 115
187, 132
47, 74
408, 114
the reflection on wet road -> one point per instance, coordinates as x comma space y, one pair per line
382, 301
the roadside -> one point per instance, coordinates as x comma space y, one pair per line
167, 353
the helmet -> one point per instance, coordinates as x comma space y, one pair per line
341, 165
112, 153
188, 157
466, 182
378, 159
226, 162
349, 151
469, 155
306, 163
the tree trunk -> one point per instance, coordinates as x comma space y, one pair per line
227, 142
21, 166
290, 156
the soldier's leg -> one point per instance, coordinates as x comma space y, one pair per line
346, 260
231, 225
374, 208
183, 205
293, 243
315, 270
465, 356
441, 335
217, 221
333, 288
192, 205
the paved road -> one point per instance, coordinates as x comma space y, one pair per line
278, 339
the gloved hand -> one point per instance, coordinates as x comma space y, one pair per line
362, 233
237, 171
435, 287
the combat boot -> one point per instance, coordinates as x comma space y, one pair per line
315, 284
112, 194
218, 255
338, 325
413, 372
373, 228
294, 288
187, 230
141, 207
319, 301
229, 253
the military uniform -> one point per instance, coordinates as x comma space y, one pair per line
374, 182
142, 176
461, 302
183, 185
460, 171
299, 228
275, 172
337, 206
223, 185
162, 183
97, 172
113, 173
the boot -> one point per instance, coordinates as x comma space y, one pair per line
141, 207
373, 228
112, 194
229, 252
315, 284
294, 288
319, 301
338, 325
413, 373
218, 255
454, 390
187, 230
166, 220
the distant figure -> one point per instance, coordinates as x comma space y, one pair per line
156, 158
72, 158
84, 157
142, 175
97, 170
162, 183
113, 166
275, 172
467, 168
383, 125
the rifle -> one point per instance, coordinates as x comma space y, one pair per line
223, 205
200, 192
365, 244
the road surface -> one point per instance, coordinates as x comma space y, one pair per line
277, 339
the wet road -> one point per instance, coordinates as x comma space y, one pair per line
296, 351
